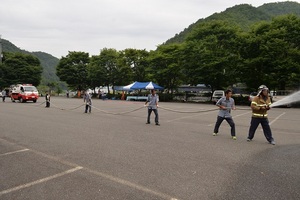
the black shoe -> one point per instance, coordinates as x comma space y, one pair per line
157, 124
147, 122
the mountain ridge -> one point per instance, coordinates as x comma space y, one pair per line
244, 16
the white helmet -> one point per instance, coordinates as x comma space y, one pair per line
261, 88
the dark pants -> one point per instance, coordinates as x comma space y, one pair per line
264, 124
47, 104
229, 121
3, 98
149, 114
88, 107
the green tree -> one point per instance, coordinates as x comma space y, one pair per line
2, 76
124, 72
58, 90
109, 69
137, 60
20, 68
166, 66
73, 70
212, 54
97, 73
272, 54
108, 61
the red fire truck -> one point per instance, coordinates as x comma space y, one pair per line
24, 92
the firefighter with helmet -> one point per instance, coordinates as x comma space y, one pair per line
260, 106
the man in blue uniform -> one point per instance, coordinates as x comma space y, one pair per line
88, 102
152, 106
225, 104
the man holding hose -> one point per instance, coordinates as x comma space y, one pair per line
225, 104
152, 106
260, 105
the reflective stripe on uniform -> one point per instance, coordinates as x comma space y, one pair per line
262, 105
260, 115
259, 105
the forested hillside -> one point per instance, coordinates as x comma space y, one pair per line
243, 16
283, 8
48, 61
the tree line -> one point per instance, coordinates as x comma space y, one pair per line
215, 53
19, 68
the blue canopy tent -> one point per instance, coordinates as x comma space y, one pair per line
142, 85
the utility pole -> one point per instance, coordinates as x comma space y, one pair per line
0, 50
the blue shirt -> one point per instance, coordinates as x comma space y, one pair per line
87, 98
153, 100
228, 103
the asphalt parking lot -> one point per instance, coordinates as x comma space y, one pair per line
62, 153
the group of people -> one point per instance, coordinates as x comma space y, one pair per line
259, 105
87, 99
152, 102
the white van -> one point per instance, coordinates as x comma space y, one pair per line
217, 95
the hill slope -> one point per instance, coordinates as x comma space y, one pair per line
244, 16
48, 61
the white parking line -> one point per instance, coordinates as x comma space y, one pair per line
130, 184
189, 116
77, 167
39, 181
235, 116
13, 152
242, 114
277, 118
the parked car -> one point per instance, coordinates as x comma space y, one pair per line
217, 95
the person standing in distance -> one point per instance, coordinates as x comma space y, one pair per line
260, 105
152, 106
3, 94
225, 104
47, 98
88, 102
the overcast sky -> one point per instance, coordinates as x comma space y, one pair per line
59, 26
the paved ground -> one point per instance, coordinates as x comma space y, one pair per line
62, 153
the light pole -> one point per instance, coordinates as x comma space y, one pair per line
0, 50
